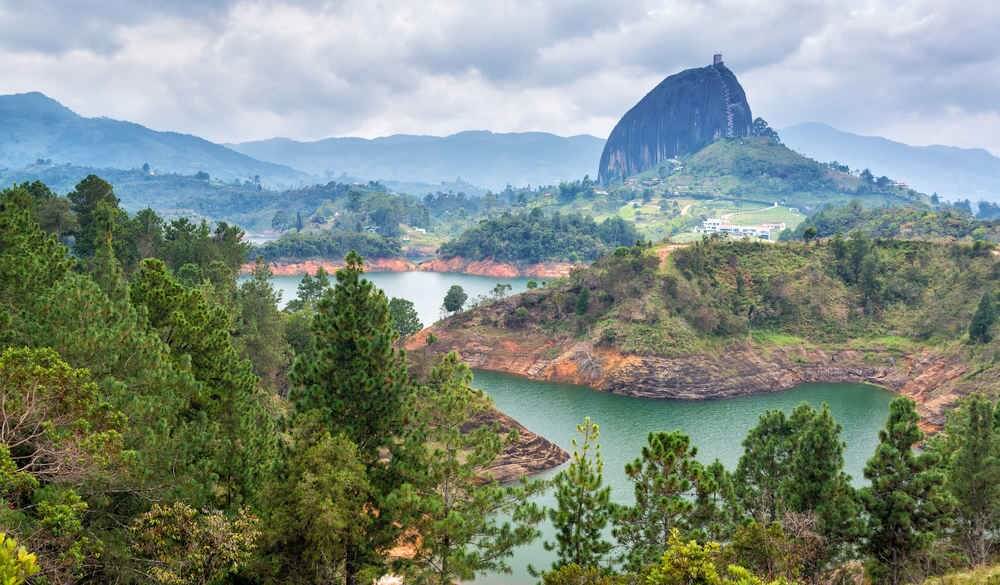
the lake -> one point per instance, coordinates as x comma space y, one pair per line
716, 427
425, 289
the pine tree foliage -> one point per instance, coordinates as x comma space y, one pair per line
583, 504
665, 480
456, 510
906, 503
973, 475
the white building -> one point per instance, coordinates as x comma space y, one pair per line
767, 231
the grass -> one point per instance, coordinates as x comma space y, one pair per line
981, 576
892, 343
780, 214
776, 338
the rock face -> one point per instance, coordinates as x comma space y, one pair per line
682, 114
934, 379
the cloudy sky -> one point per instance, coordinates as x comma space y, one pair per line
921, 71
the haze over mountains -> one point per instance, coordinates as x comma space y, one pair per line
949, 171
34, 126
483, 158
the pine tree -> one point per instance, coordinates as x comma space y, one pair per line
455, 510
906, 503
197, 330
983, 319
583, 504
816, 483
86, 197
665, 479
973, 471
357, 383
762, 467
261, 329
315, 506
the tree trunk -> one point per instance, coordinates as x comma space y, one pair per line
351, 565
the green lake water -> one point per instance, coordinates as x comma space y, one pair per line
716, 427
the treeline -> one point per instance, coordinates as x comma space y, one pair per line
716, 290
329, 244
161, 424
536, 237
906, 222
788, 513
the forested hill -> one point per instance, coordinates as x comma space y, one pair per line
904, 222
486, 159
35, 127
534, 237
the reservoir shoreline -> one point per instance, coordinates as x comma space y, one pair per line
457, 265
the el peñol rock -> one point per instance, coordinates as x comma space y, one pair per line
682, 114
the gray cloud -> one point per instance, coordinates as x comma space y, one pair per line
919, 70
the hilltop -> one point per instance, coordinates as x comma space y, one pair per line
681, 115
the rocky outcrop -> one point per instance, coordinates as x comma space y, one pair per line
498, 269
528, 455
681, 115
935, 379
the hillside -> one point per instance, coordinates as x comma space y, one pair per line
487, 159
724, 318
761, 169
952, 172
906, 222
34, 126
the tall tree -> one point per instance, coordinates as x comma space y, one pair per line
315, 506
197, 330
455, 510
665, 482
761, 469
815, 482
455, 299
260, 326
906, 503
84, 201
404, 317
583, 505
973, 471
982, 320
357, 382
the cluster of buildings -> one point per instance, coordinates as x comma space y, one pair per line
764, 231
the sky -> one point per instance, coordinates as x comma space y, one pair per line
919, 71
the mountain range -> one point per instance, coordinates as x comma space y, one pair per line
954, 173
487, 159
36, 127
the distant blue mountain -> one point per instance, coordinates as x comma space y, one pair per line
947, 170
34, 126
483, 158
